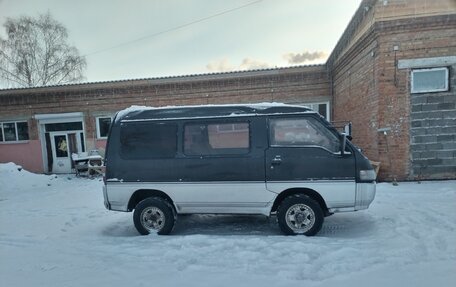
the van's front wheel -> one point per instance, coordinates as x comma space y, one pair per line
154, 215
300, 214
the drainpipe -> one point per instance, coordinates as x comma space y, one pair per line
385, 132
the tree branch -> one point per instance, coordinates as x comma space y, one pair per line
36, 52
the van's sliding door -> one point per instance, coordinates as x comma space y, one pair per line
223, 167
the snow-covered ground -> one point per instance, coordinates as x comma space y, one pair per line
54, 231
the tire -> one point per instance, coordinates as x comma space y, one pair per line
154, 214
300, 214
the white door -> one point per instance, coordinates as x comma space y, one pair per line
60, 154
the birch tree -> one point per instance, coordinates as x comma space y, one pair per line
36, 52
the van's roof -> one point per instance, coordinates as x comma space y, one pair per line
140, 113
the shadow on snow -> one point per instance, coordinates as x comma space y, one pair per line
349, 225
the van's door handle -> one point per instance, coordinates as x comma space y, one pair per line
276, 161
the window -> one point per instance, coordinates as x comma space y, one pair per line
321, 108
217, 138
14, 131
61, 146
429, 80
9, 129
302, 132
70, 126
148, 140
103, 124
22, 131
232, 128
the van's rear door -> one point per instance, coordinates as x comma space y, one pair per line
304, 153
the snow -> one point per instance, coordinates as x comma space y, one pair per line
259, 106
54, 231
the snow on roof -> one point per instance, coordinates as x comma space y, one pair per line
254, 106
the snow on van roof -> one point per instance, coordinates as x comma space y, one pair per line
186, 110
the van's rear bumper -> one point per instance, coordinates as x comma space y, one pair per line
105, 196
365, 194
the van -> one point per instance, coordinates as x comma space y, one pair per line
269, 159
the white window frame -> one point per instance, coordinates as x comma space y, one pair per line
233, 127
4, 141
98, 126
417, 70
311, 106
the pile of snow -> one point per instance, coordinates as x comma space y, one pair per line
54, 231
14, 178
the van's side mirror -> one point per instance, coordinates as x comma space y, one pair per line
343, 143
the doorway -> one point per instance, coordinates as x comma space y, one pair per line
61, 135
60, 153
61, 145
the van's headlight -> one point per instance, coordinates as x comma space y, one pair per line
367, 175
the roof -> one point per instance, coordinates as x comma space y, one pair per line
351, 29
139, 113
171, 79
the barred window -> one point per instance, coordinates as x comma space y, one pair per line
429, 80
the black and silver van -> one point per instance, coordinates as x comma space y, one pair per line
270, 159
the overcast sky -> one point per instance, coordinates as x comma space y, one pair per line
266, 33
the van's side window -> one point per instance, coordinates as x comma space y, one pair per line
302, 132
217, 138
148, 140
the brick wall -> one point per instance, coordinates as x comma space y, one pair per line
371, 12
289, 85
414, 39
361, 80
355, 93
370, 91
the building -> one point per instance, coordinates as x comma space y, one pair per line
392, 75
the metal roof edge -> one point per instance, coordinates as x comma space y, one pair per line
171, 79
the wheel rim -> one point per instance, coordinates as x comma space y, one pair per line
300, 218
152, 218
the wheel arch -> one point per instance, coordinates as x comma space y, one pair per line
142, 194
306, 191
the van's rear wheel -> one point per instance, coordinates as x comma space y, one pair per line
300, 214
154, 215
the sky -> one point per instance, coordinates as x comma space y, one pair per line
144, 39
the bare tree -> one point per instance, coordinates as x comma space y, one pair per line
36, 53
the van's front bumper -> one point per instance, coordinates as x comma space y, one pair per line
365, 194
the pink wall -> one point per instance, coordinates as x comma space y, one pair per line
27, 154
100, 144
